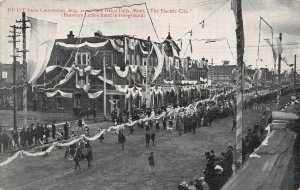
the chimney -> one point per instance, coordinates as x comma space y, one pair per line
70, 36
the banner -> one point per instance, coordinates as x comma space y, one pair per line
42, 36
95, 95
63, 94
160, 58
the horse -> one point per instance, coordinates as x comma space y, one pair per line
80, 154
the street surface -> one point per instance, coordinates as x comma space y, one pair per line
113, 168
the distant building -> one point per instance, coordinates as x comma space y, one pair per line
6, 83
221, 73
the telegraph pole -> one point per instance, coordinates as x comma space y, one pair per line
279, 61
295, 73
14, 41
279, 71
24, 70
237, 8
104, 85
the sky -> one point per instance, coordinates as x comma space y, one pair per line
180, 16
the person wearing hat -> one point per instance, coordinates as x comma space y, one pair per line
147, 137
151, 163
203, 184
152, 137
183, 186
197, 184
53, 127
122, 138
80, 124
66, 130
164, 123
191, 185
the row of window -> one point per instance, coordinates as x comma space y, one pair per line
84, 58
195, 75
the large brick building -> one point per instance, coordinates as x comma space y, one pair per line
74, 77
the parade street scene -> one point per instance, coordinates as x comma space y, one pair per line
149, 95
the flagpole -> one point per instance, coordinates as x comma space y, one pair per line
295, 74
104, 85
279, 71
237, 9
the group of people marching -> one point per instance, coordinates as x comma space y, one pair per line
32, 135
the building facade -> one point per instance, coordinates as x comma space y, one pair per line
126, 71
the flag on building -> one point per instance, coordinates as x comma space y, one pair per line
42, 37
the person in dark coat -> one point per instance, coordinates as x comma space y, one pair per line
179, 126
194, 125
157, 124
255, 127
80, 123
5, 140
29, 136
151, 163
66, 130
53, 130
147, 137
185, 124
165, 123
122, 139
15, 136
23, 137
40, 132
153, 137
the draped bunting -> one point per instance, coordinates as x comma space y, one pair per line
122, 89
106, 80
113, 129
122, 74
142, 50
63, 94
160, 58
42, 36
133, 68
189, 82
95, 95
52, 67
168, 82
134, 92
116, 47
88, 44
168, 89
143, 70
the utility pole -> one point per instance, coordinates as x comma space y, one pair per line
14, 41
24, 73
279, 61
279, 71
104, 85
237, 9
295, 73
